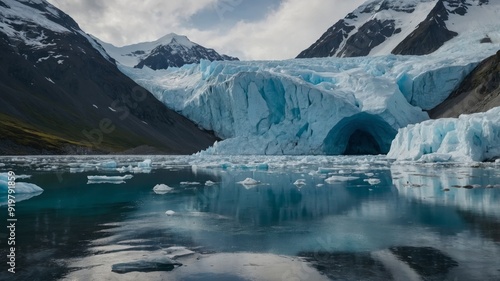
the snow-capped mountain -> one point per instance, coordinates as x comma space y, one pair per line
60, 93
171, 50
408, 27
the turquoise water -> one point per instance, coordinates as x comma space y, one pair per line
399, 222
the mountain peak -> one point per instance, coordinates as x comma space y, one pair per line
171, 50
412, 27
174, 37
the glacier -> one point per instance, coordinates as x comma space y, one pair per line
468, 138
329, 106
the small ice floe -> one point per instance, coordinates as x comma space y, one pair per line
209, 183
189, 183
162, 189
177, 252
160, 263
144, 164
2, 165
320, 185
95, 106
249, 182
334, 179
369, 174
322, 170
20, 187
124, 169
111, 164
108, 179
170, 213
76, 170
372, 181
300, 182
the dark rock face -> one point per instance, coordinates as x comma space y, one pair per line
431, 34
330, 41
60, 95
369, 36
479, 92
176, 55
345, 40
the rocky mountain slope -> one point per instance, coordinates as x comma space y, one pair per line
478, 92
59, 94
408, 27
171, 50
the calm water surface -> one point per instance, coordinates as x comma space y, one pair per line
374, 220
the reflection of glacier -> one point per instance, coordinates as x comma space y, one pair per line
309, 106
277, 199
470, 189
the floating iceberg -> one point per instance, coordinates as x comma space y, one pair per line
111, 164
209, 183
162, 189
108, 179
249, 182
189, 183
334, 179
469, 138
300, 182
20, 187
144, 164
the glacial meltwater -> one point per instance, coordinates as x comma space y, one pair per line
249, 218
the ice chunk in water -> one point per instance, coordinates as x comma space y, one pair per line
111, 164
108, 179
249, 182
20, 187
162, 189
334, 179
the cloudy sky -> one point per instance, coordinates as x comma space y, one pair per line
249, 29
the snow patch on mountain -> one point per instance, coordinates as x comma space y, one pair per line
18, 13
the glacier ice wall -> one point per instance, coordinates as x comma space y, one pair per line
469, 138
309, 106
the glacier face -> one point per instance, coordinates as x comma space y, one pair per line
312, 106
288, 107
469, 138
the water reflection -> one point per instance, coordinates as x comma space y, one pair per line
393, 227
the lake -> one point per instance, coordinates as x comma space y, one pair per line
253, 218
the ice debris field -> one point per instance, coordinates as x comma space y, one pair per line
330, 106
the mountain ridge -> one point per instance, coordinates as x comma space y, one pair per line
60, 95
171, 50
408, 27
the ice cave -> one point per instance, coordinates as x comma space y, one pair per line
359, 134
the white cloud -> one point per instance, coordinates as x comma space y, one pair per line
282, 34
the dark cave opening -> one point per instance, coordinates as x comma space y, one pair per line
359, 134
362, 143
